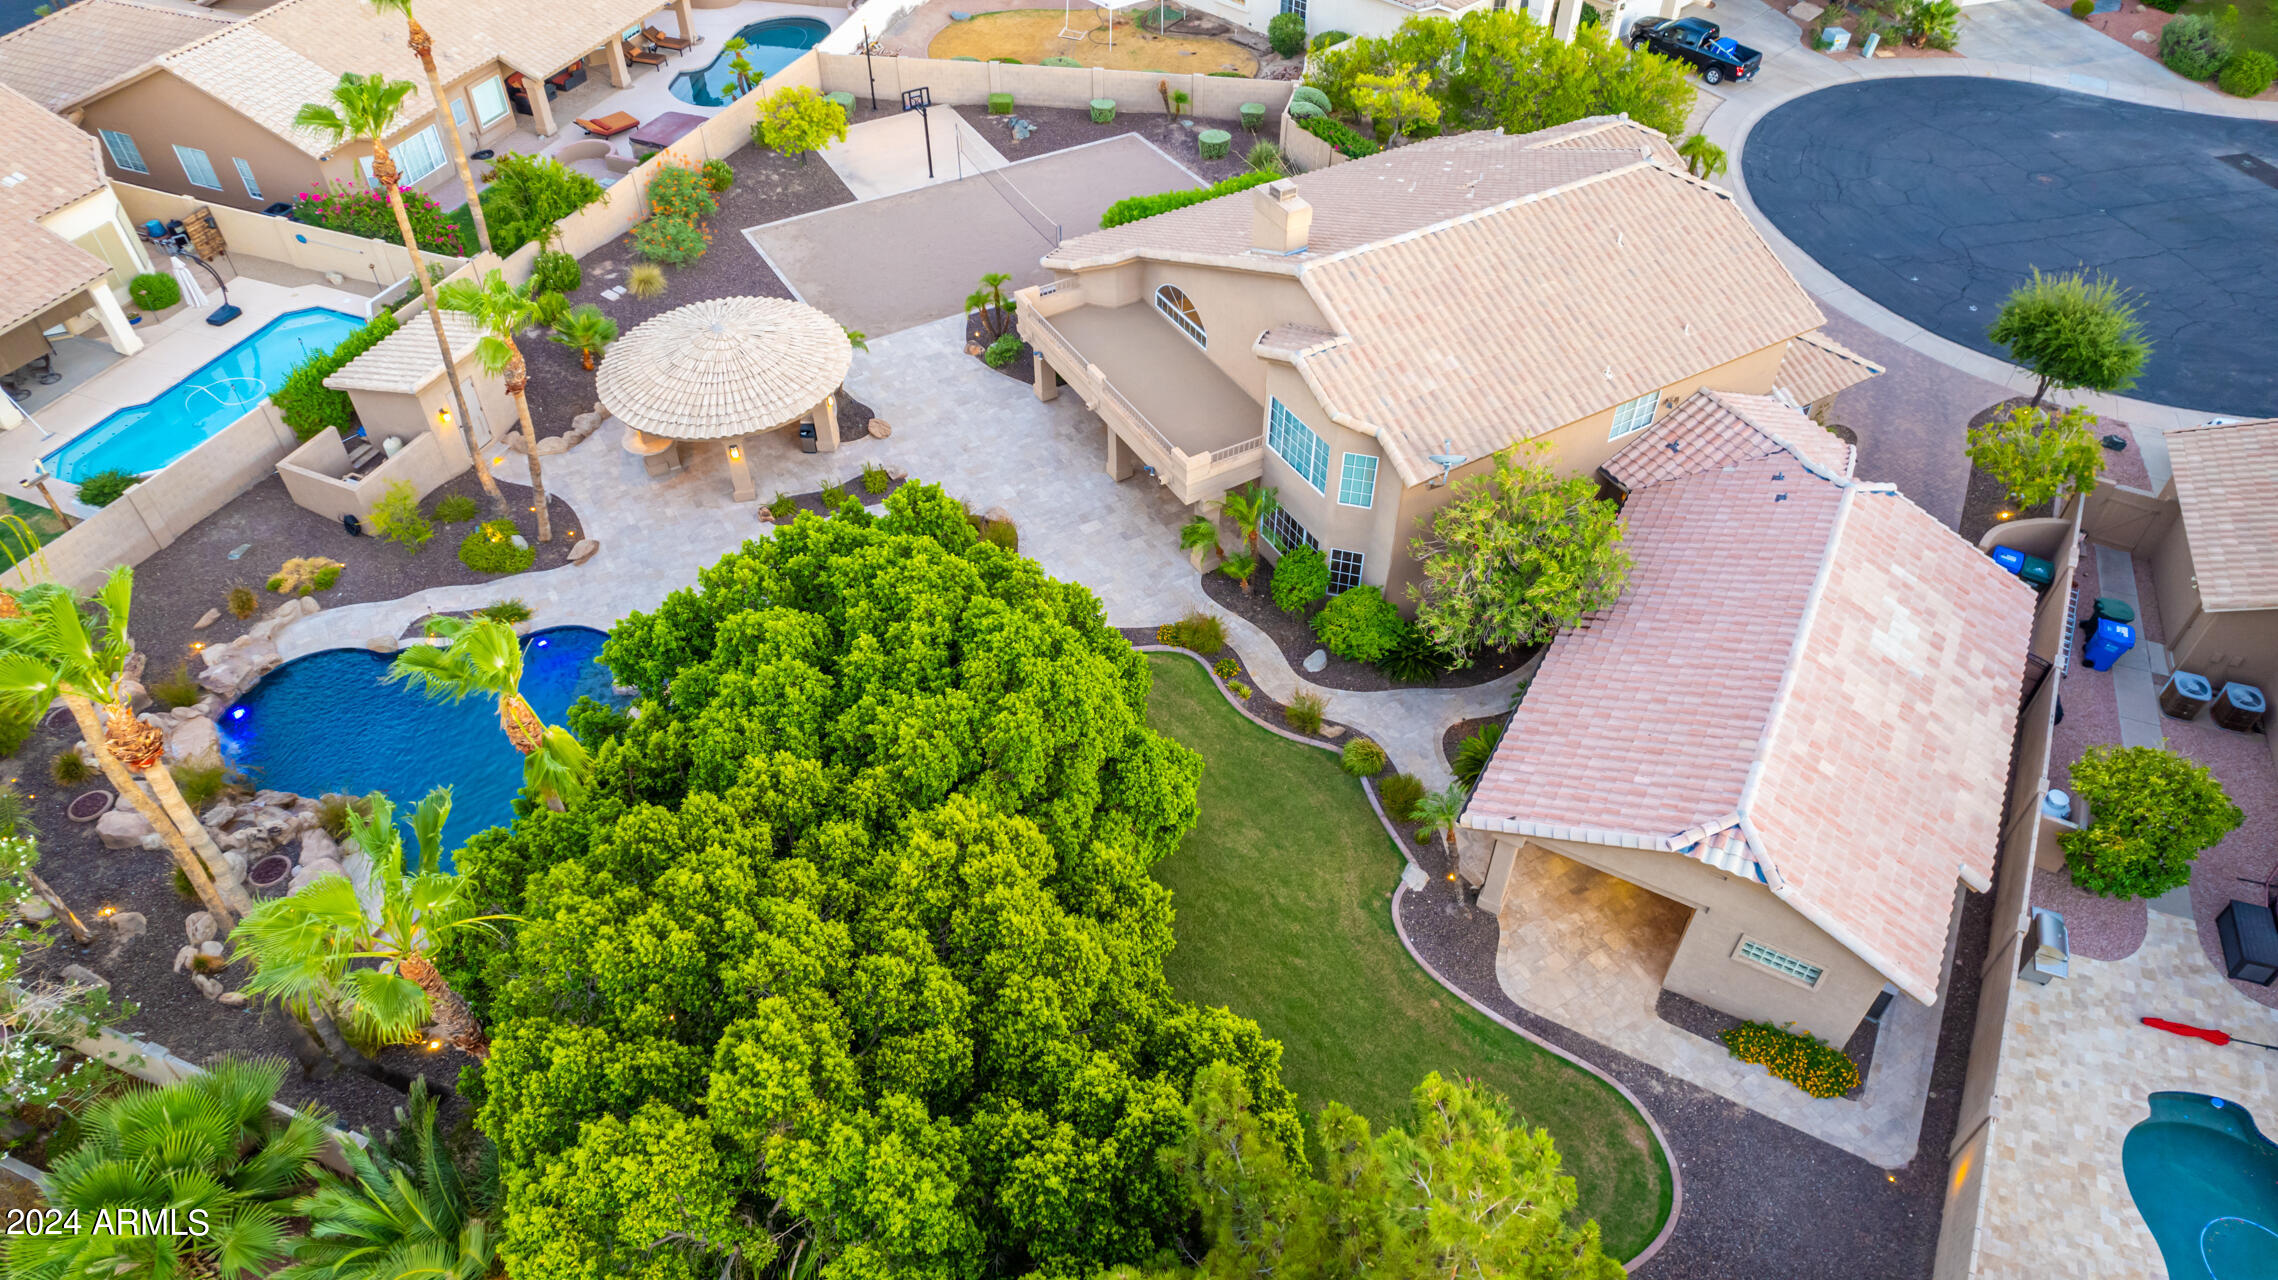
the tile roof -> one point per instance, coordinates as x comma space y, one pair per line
724, 368
68, 56
48, 164
1808, 680
1816, 366
294, 51
1487, 289
2226, 481
407, 359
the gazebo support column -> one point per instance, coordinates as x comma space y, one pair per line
739, 470
826, 425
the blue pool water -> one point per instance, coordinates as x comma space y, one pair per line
775, 44
325, 723
150, 435
2206, 1181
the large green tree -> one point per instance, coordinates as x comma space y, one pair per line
847, 961
1518, 555
2072, 330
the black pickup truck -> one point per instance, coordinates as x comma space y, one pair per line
1697, 41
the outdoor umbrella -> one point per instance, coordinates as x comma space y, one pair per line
2202, 1033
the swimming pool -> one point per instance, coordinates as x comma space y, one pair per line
775, 44
150, 435
2206, 1181
325, 723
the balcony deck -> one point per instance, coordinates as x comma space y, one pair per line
1164, 376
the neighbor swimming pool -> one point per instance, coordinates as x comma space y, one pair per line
150, 435
325, 723
775, 44
2206, 1181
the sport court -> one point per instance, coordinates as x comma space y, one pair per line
883, 265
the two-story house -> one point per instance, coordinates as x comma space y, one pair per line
1361, 336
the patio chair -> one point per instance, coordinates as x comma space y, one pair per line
663, 41
638, 56
609, 126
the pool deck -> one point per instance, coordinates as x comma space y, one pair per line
2077, 1069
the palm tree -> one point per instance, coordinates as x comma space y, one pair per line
734, 47
48, 651
990, 301
423, 48
207, 1145
483, 656
1703, 158
1199, 539
1249, 509
500, 309
587, 330
1439, 811
404, 1212
366, 107
304, 947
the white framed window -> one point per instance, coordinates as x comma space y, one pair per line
459, 112
1356, 485
124, 153
415, 157
489, 98
197, 167
1344, 569
245, 175
1293, 6
1637, 415
1306, 453
1173, 302
1801, 972
1282, 529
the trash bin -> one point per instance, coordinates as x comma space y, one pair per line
2116, 609
2009, 558
2240, 708
2037, 573
2107, 643
2185, 695
806, 437
2249, 939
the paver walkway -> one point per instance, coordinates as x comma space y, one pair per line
978, 434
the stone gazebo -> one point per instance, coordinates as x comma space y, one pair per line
724, 370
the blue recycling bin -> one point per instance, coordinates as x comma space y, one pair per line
2107, 643
2009, 558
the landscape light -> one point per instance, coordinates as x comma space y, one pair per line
237, 713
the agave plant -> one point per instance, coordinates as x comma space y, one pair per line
209, 1149
304, 947
484, 656
405, 1210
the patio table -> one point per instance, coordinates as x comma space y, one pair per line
665, 130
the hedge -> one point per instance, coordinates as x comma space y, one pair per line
2248, 73
1805, 1061
1133, 208
306, 404
1344, 139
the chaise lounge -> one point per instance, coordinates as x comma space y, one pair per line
638, 56
663, 41
609, 126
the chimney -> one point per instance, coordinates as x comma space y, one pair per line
1281, 223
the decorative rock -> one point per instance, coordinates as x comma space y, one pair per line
997, 515
129, 925
121, 829
381, 644
193, 741
971, 349
206, 986
220, 814
765, 517
211, 947
1332, 731
234, 999
183, 957
519, 542
1318, 660
287, 611
318, 847
897, 473
212, 616
879, 430
34, 909
133, 694
550, 446
266, 798
309, 606
85, 976
2140, 37
199, 927
586, 547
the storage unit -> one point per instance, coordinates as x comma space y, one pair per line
2241, 707
2185, 695
2250, 942
2106, 643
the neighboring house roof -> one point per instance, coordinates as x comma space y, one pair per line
1807, 680
1485, 289
1817, 366
267, 65
407, 359
2226, 482
48, 164
83, 48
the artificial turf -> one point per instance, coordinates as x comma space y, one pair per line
1283, 894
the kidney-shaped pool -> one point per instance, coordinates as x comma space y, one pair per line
325, 723
2206, 1181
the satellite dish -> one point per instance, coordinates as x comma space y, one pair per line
1448, 461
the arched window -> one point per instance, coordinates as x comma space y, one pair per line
1180, 308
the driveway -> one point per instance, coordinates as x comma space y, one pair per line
1935, 196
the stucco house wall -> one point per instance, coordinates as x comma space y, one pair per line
2226, 646
160, 110
99, 224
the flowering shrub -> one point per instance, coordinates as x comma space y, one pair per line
671, 240
1805, 1061
358, 211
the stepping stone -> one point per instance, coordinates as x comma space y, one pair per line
1807, 11
249, 546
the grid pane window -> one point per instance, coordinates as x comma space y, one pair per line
1306, 453
418, 155
1173, 302
1637, 415
1282, 529
1293, 6
197, 167
124, 153
1356, 487
1780, 962
1344, 570
490, 99
245, 175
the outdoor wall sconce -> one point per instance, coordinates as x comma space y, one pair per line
735, 453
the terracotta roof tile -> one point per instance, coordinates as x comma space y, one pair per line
1799, 653
1714, 428
407, 359
1817, 366
48, 164
724, 368
2226, 481
67, 56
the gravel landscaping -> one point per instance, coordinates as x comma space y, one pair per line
1294, 637
1058, 128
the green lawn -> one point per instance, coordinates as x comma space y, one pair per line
42, 522
2257, 21
1282, 895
